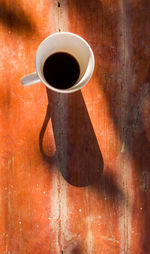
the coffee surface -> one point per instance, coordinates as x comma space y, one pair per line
61, 70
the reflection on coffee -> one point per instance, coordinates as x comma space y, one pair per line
61, 70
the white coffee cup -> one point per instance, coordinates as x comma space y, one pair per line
63, 42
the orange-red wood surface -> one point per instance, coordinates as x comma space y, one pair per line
75, 169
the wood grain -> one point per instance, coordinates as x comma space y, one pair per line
74, 169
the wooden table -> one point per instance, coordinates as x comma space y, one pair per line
75, 169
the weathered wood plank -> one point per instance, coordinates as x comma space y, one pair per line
74, 171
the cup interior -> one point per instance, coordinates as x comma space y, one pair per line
72, 44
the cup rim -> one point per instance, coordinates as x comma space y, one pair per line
73, 88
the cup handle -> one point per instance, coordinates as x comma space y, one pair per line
30, 79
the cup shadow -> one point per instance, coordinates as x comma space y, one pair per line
77, 155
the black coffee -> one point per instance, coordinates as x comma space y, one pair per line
61, 70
